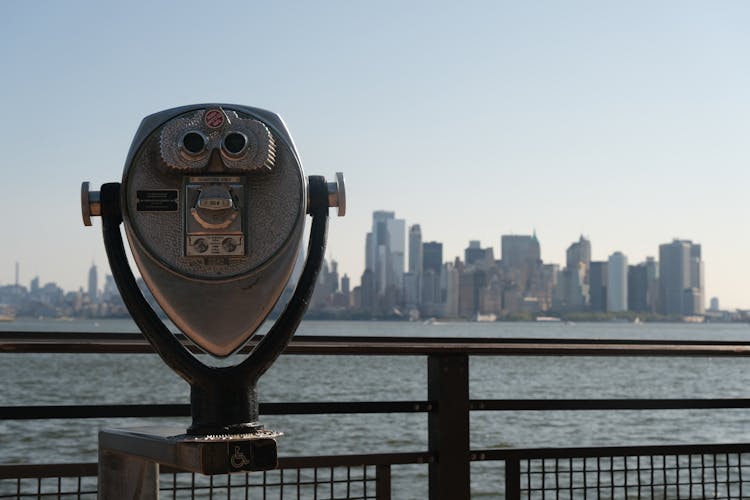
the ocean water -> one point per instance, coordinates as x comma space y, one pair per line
29, 379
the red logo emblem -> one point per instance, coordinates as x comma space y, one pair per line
214, 118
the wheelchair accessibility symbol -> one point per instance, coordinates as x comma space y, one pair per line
238, 459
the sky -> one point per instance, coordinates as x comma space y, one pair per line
625, 122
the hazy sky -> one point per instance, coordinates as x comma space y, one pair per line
627, 122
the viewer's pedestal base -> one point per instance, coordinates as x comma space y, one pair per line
129, 459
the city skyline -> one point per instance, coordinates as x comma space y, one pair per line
510, 254
517, 283
623, 122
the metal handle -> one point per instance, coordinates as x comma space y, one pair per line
337, 194
91, 204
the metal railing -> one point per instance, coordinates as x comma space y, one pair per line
682, 471
340, 476
675, 471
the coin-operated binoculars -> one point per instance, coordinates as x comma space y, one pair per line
213, 200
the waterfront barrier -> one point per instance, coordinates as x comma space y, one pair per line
676, 471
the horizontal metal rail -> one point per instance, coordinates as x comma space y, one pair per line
609, 451
297, 462
40, 412
606, 404
135, 343
43, 412
28, 471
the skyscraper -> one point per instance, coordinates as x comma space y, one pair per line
379, 249
451, 277
432, 267
370, 251
681, 286
432, 255
617, 283
652, 277
397, 237
109, 290
384, 252
637, 288
517, 251
643, 286
521, 260
473, 253
598, 286
579, 253
413, 279
93, 283
415, 249
714, 304
572, 292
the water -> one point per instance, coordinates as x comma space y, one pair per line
108, 378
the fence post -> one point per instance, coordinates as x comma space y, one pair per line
448, 426
512, 478
383, 482
126, 476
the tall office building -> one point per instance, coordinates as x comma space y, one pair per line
652, 278
598, 286
397, 236
519, 250
550, 275
643, 286
415, 249
451, 279
471, 282
617, 283
681, 286
413, 278
370, 252
521, 260
345, 285
432, 256
93, 283
367, 296
637, 288
432, 267
384, 252
346, 290
572, 291
379, 250
109, 290
577, 254
411, 296
475, 255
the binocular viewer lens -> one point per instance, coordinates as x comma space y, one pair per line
193, 143
243, 143
234, 143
